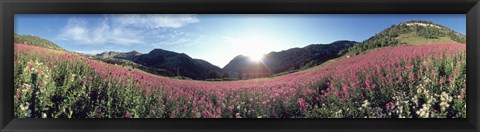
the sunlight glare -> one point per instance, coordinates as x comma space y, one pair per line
254, 47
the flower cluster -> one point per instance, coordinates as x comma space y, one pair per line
445, 99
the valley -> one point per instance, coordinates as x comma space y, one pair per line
409, 70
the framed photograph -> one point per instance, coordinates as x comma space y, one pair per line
229, 65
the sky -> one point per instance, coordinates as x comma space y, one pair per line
216, 38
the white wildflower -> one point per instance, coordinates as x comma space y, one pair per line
24, 107
424, 111
237, 115
365, 104
338, 113
445, 99
415, 99
444, 106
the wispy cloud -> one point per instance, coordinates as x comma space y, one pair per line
168, 38
82, 31
153, 21
121, 29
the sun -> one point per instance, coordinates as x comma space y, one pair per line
254, 47
256, 57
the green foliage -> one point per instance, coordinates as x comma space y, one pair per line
429, 32
310, 64
73, 90
226, 75
212, 75
391, 36
36, 41
457, 37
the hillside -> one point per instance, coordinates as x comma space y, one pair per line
407, 81
177, 62
35, 41
410, 32
119, 55
291, 59
163, 62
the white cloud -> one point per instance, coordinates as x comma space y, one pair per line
153, 21
175, 38
121, 29
82, 32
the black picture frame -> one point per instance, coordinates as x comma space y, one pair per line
11, 7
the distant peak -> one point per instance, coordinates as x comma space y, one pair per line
134, 52
241, 56
161, 50
158, 50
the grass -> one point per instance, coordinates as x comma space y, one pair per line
413, 38
421, 81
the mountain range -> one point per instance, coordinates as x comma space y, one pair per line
167, 63
288, 60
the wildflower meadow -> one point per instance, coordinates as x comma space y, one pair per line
405, 81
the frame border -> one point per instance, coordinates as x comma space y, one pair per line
8, 8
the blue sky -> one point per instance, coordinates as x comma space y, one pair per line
216, 38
